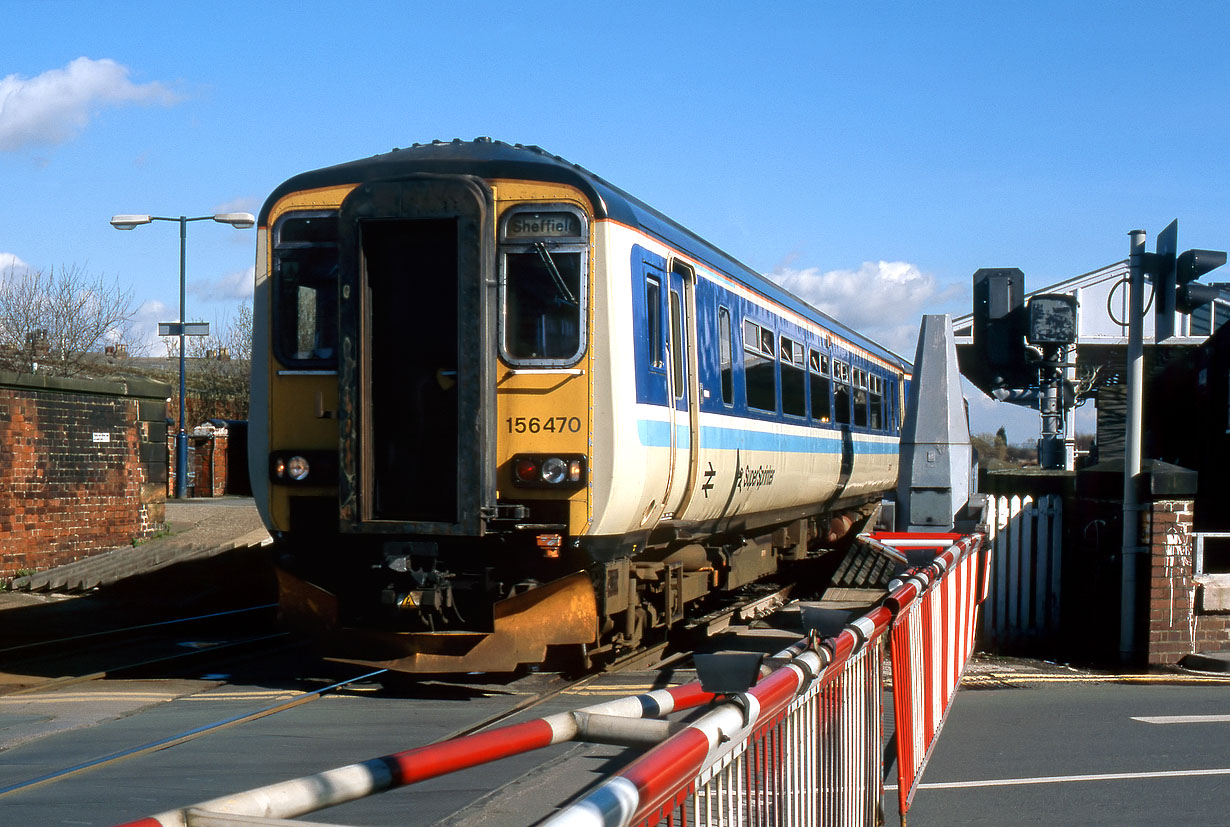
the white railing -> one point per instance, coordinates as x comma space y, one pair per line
1024, 607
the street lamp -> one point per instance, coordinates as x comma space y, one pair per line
238, 220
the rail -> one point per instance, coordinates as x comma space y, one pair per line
802, 746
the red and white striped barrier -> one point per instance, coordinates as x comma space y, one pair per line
802, 746
613, 721
936, 615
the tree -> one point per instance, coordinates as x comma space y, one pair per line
52, 320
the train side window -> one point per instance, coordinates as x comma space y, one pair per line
841, 392
876, 389
726, 356
821, 391
759, 374
305, 275
677, 346
794, 378
653, 318
860, 398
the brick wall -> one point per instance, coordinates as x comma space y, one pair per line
1178, 624
82, 467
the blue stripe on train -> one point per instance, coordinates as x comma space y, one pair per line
655, 434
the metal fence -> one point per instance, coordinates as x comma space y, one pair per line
932, 641
804, 745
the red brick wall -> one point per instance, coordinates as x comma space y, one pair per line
81, 470
1178, 626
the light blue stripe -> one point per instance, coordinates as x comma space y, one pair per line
655, 434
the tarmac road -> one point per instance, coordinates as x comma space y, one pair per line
1082, 752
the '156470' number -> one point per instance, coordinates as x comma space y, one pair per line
543, 425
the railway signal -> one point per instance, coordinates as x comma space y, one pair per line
1174, 276
999, 330
1191, 265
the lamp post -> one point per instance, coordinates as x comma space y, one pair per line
238, 220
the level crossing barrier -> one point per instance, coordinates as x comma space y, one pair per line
802, 746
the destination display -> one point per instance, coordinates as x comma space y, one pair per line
543, 225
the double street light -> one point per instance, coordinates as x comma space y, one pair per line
238, 220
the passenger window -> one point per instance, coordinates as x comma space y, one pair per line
759, 375
726, 356
653, 320
794, 378
860, 398
876, 401
841, 392
821, 391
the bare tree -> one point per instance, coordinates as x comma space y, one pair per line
54, 320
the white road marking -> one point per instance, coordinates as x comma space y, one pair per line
1064, 779
1182, 719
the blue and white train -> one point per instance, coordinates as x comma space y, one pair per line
500, 406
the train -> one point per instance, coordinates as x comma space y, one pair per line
504, 411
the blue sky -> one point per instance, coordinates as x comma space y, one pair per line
870, 155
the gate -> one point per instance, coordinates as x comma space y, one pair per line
1023, 608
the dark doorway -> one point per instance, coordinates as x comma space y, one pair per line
411, 279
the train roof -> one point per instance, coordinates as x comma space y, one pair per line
490, 159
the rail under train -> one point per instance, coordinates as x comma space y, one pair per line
501, 408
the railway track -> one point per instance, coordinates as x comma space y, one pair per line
166, 646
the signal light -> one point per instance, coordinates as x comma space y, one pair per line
1172, 277
1192, 296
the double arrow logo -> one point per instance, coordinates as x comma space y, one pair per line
708, 486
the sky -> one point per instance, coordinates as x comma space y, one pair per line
869, 156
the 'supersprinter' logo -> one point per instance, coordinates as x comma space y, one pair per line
749, 477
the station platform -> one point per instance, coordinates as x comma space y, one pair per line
198, 530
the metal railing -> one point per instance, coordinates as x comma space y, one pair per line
738, 765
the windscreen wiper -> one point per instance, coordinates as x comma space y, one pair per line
545, 255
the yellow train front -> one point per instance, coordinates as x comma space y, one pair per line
501, 407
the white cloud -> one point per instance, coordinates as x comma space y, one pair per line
145, 324
882, 299
54, 106
11, 263
233, 287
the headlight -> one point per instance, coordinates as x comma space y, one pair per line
554, 470
297, 468
303, 468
